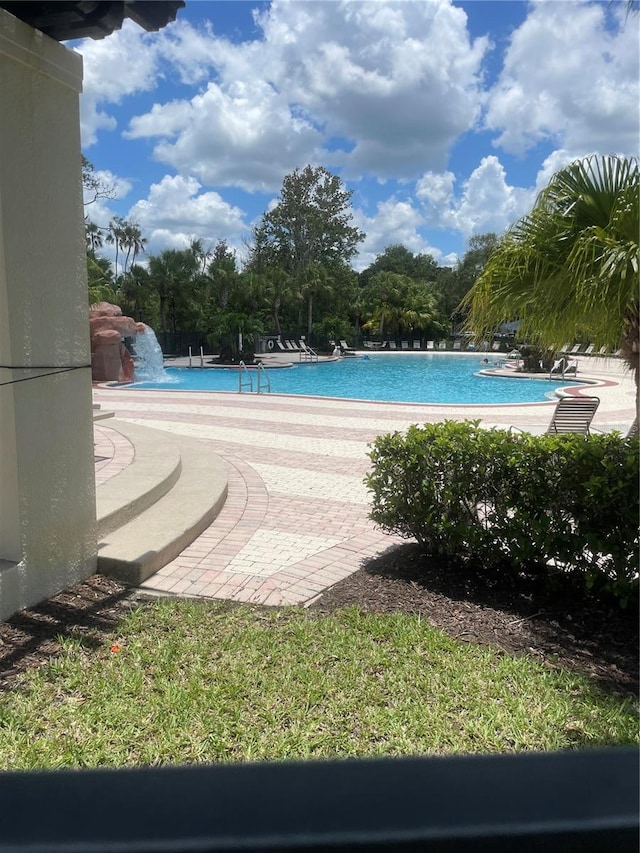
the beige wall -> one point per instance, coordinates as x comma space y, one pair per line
47, 485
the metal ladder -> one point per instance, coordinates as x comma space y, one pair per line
264, 383
245, 379
308, 354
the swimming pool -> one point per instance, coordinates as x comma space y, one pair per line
425, 378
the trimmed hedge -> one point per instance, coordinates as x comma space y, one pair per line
511, 500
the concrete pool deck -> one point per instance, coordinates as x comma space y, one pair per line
295, 520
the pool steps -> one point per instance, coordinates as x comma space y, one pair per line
166, 497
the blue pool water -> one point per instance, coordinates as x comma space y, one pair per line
407, 378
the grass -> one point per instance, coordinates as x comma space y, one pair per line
185, 682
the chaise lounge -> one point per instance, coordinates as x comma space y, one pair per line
572, 415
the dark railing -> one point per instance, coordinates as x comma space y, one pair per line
178, 343
527, 803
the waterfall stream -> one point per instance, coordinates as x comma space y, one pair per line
148, 357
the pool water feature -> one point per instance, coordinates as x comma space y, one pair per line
149, 363
424, 378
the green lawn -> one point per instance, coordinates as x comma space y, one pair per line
186, 682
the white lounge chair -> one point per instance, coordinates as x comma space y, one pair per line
572, 415
392, 345
430, 344
404, 344
457, 344
416, 345
442, 345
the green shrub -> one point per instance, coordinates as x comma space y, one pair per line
543, 504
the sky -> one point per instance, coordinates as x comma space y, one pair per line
444, 119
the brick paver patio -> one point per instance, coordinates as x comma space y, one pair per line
296, 517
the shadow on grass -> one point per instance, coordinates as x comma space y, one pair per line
560, 627
88, 612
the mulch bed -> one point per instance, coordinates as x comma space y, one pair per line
515, 614
512, 614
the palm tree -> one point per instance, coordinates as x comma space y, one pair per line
93, 234
570, 267
171, 276
115, 236
133, 241
202, 255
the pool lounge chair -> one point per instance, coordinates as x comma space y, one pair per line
392, 345
291, 346
404, 344
575, 350
282, 347
589, 349
416, 345
457, 344
442, 345
430, 344
571, 415
495, 346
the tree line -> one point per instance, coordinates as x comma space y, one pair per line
296, 279
568, 270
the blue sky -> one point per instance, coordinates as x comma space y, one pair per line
444, 118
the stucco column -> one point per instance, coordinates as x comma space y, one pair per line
47, 482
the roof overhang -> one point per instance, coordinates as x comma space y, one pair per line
63, 21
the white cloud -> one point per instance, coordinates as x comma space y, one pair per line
568, 79
376, 89
436, 192
394, 221
487, 202
176, 212
391, 86
243, 135
124, 63
398, 80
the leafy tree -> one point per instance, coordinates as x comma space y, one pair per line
99, 279
453, 286
137, 296
308, 232
172, 276
223, 273
202, 255
395, 303
93, 234
127, 238
398, 259
311, 221
133, 242
570, 267
239, 305
115, 237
